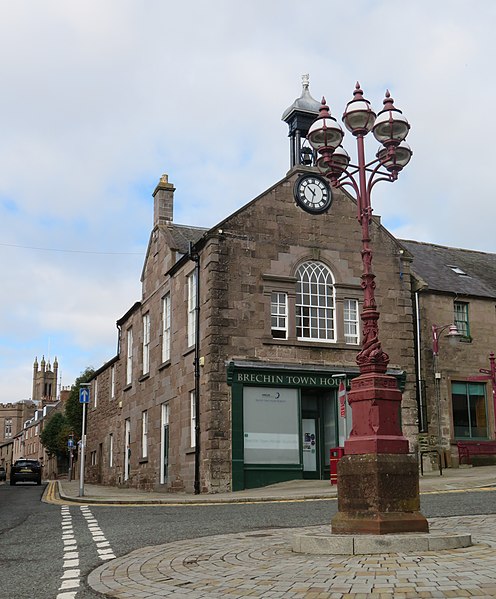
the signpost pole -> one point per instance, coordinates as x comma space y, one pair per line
84, 398
70, 445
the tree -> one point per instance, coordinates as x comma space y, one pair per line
74, 409
55, 434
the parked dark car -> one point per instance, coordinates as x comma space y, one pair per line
25, 471
3, 473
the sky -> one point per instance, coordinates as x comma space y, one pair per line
99, 98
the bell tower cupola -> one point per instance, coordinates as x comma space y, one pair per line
299, 116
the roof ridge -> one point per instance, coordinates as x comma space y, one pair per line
446, 247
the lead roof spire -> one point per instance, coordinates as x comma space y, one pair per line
299, 116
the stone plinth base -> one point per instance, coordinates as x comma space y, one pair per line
378, 494
410, 543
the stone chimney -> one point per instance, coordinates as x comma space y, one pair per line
163, 202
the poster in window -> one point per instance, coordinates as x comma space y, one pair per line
271, 425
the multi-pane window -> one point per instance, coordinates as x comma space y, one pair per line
350, 311
111, 450
146, 343
192, 400
279, 315
166, 327
315, 302
112, 382
469, 410
144, 434
129, 357
192, 282
8, 428
164, 444
461, 318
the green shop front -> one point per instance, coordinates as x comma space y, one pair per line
285, 421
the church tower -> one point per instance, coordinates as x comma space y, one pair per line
44, 382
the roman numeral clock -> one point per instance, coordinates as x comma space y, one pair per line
313, 194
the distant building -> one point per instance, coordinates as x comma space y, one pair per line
44, 391
27, 443
45, 381
12, 418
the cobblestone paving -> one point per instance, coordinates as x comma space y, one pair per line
261, 564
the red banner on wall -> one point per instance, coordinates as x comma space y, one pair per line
342, 397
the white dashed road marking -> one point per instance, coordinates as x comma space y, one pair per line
70, 581
70, 578
102, 545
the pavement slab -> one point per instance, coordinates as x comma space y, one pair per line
255, 565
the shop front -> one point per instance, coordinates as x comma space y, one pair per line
285, 421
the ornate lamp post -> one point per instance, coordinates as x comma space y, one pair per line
378, 490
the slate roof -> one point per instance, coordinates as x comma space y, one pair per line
182, 235
453, 270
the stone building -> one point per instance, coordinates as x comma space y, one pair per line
27, 442
454, 286
12, 418
228, 367
6, 449
276, 293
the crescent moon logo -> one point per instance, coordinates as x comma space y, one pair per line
278, 395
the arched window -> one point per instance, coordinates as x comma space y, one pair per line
315, 302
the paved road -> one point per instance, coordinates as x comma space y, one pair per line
37, 538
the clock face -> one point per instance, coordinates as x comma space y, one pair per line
313, 194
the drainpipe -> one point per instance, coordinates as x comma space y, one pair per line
422, 424
194, 256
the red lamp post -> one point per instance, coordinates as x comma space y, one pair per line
378, 490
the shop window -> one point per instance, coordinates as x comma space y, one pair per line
469, 410
315, 303
279, 315
271, 420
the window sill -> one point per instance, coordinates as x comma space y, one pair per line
190, 350
311, 344
164, 365
143, 377
143, 461
127, 387
190, 451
